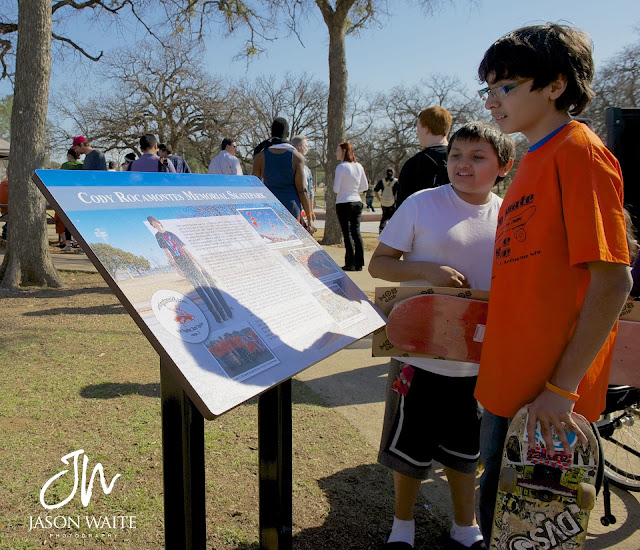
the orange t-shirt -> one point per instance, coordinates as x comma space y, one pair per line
562, 210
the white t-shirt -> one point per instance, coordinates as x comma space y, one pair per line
225, 163
435, 225
349, 182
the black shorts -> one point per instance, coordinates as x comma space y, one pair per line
438, 418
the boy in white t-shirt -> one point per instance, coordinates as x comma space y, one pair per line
441, 237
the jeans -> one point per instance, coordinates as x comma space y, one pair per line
387, 212
493, 432
349, 214
370, 204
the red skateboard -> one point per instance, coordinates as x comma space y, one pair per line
442, 326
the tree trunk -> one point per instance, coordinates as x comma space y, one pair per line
336, 22
27, 260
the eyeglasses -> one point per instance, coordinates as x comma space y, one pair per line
499, 92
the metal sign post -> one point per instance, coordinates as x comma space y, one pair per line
183, 466
275, 460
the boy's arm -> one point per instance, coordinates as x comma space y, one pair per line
386, 264
608, 289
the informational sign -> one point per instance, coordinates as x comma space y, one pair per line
221, 279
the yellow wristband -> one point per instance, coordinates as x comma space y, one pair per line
563, 393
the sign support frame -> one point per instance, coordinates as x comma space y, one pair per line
184, 468
275, 467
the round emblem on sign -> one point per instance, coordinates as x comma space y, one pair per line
180, 316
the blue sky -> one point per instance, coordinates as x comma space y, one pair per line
408, 47
412, 44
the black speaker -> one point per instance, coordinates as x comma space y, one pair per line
623, 140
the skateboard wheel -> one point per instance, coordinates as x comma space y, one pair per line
586, 497
508, 480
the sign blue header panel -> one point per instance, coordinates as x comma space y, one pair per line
218, 275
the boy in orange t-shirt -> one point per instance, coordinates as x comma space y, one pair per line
561, 266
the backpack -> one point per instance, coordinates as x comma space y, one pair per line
441, 177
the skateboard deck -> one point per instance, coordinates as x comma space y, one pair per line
544, 497
443, 326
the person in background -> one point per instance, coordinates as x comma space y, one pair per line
181, 166
350, 180
4, 199
302, 145
226, 162
149, 161
128, 159
281, 168
111, 166
386, 191
93, 159
65, 241
369, 197
428, 168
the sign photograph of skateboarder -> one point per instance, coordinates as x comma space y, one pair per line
187, 265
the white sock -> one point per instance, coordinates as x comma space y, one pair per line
466, 535
403, 531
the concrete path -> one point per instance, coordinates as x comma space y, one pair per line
352, 382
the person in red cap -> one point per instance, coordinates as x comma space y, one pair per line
94, 159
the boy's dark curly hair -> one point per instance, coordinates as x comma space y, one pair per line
544, 52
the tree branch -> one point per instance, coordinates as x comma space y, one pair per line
76, 47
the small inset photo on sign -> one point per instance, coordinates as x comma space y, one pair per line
269, 225
240, 352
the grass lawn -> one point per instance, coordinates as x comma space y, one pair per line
76, 373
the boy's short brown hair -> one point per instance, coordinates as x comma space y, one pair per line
502, 144
436, 119
543, 52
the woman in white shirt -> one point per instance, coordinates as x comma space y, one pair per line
349, 182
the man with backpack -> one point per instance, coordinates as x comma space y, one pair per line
428, 168
149, 161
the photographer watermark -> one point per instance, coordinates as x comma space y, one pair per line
77, 523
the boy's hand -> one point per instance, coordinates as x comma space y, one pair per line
554, 410
447, 276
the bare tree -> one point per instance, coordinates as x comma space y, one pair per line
300, 98
617, 84
27, 258
165, 91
